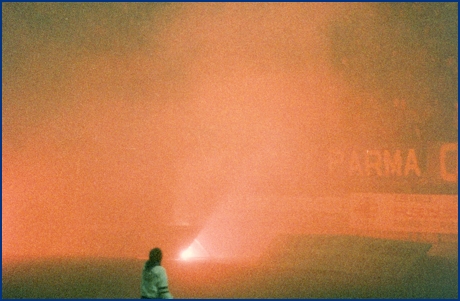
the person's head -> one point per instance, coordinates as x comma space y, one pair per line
155, 255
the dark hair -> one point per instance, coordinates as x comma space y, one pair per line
155, 257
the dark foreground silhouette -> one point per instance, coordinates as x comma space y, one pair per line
336, 268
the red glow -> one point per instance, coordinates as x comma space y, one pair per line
204, 115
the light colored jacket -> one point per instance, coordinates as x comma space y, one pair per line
155, 283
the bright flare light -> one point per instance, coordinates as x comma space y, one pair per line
194, 251
187, 254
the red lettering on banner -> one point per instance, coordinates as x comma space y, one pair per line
373, 161
398, 163
392, 167
412, 164
445, 174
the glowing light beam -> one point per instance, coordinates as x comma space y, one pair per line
194, 251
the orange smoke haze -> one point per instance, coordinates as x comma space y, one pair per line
122, 120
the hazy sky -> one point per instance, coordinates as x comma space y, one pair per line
121, 117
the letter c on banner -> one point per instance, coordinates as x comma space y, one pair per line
445, 174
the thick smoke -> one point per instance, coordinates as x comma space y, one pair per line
121, 118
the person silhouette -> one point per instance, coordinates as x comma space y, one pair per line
154, 284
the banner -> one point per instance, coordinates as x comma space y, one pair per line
428, 169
